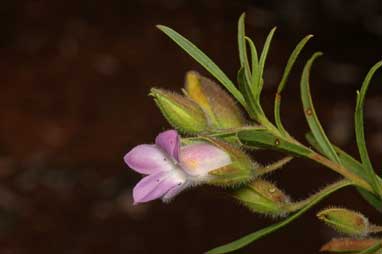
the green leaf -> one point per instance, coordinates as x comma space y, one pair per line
204, 60
243, 52
353, 165
347, 161
284, 79
245, 89
240, 243
357, 168
371, 199
263, 57
310, 113
372, 249
263, 138
254, 61
360, 132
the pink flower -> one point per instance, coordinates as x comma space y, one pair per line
170, 167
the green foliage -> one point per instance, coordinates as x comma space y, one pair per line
240, 243
360, 132
254, 109
264, 138
263, 58
261, 133
204, 60
354, 166
311, 116
292, 59
244, 62
254, 59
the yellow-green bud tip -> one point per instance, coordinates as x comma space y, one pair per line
181, 112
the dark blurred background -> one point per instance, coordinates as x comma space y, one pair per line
74, 78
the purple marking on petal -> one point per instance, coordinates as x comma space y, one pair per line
155, 186
199, 159
170, 142
148, 159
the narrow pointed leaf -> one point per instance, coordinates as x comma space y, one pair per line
284, 79
360, 132
204, 60
243, 51
292, 59
371, 199
242, 242
247, 94
354, 166
254, 62
253, 108
310, 113
263, 138
263, 58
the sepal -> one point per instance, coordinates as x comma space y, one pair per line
181, 112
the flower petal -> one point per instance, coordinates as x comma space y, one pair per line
148, 159
199, 159
155, 186
174, 191
170, 142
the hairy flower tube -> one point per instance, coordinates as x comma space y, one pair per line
171, 168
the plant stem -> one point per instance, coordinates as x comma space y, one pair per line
265, 123
301, 204
269, 125
341, 170
274, 166
321, 159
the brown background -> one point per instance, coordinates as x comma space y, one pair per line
74, 78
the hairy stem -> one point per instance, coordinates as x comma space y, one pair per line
375, 229
321, 159
341, 170
330, 188
274, 166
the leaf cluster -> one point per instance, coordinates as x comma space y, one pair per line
247, 91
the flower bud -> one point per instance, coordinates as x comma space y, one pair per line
263, 197
181, 112
349, 245
220, 108
241, 169
345, 221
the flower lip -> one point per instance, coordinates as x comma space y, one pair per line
156, 186
169, 141
159, 162
148, 159
169, 168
